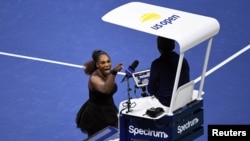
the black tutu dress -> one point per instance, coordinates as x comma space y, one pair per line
98, 112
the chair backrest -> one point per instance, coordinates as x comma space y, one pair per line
184, 95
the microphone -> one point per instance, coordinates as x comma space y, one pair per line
130, 70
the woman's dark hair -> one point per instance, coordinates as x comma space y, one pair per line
165, 44
90, 66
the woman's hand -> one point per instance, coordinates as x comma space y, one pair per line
118, 67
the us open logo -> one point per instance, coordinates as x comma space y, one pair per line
155, 16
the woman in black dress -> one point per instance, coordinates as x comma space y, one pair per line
99, 111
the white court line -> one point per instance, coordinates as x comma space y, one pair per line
46, 60
224, 62
122, 73
40, 59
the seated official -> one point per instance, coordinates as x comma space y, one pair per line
163, 71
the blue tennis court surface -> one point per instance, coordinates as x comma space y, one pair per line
43, 45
